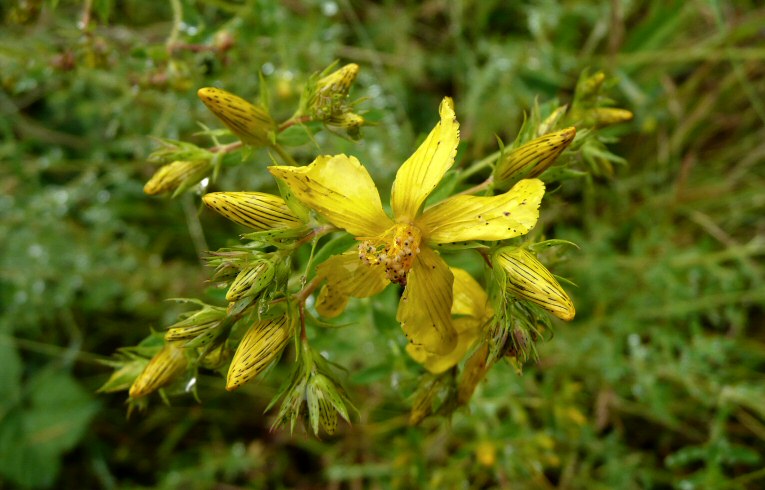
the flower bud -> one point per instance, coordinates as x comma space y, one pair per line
251, 280
530, 160
526, 278
256, 210
607, 116
261, 345
163, 368
331, 92
551, 120
348, 121
177, 176
250, 122
199, 328
590, 86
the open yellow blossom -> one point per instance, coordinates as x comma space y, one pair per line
400, 250
471, 310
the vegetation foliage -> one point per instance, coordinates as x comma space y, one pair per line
657, 382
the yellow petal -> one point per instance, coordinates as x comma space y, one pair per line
468, 330
422, 172
341, 190
253, 209
464, 218
425, 307
347, 276
469, 297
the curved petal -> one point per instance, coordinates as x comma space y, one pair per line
347, 277
422, 172
341, 190
468, 329
469, 297
464, 218
425, 307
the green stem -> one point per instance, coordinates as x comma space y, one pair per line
284, 155
226, 148
478, 188
293, 121
177, 19
478, 166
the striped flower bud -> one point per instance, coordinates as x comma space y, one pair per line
177, 176
530, 160
256, 210
251, 123
199, 328
251, 280
163, 368
331, 92
526, 278
261, 345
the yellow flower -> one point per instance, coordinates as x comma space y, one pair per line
472, 309
400, 250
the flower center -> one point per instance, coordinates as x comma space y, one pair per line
396, 251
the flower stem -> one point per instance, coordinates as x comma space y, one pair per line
284, 155
226, 148
478, 166
293, 121
478, 188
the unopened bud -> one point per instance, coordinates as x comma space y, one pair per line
608, 116
199, 328
533, 158
331, 92
251, 280
590, 85
551, 120
256, 210
177, 176
261, 345
348, 121
163, 368
526, 278
251, 123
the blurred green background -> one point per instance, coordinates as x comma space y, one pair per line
659, 381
